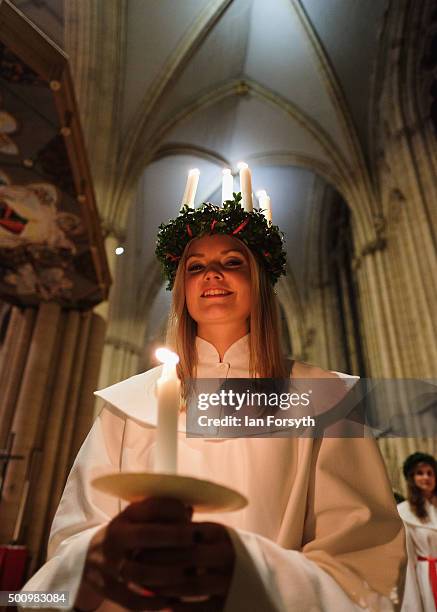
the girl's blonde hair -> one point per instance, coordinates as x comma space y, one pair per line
266, 356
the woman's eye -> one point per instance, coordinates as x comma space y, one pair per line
194, 267
229, 262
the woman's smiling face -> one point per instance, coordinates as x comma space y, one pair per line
217, 280
424, 478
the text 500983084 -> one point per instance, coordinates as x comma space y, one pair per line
35, 599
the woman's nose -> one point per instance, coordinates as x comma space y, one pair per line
213, 271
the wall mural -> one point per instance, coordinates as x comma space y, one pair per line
49, 246
35, 239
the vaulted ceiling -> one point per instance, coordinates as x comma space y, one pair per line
285, 85
315, 54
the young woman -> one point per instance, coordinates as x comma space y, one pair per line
419, 513
321, 531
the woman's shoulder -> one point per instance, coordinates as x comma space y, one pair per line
404, 507
408, 515
301, 369
135, 396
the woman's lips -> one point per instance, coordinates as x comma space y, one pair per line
216, 296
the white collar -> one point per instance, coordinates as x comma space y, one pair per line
237, 355
136, 395
408, 516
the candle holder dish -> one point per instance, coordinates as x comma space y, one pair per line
201, 495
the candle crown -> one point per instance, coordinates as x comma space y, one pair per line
265, 240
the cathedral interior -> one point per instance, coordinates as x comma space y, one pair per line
104, 107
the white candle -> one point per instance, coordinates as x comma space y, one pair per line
191, 187
246, 186
168, 388
265, 204
227, 185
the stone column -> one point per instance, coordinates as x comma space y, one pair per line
90, 374
15, 351
51, 439
29, 412
50, 416
95, 42
70, 410
400, 334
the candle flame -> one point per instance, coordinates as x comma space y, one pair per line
193, 171
227, 171
242, 165
164, 355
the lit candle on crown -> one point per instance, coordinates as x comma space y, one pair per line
265, 205
227, 185
191, 187
168, 388
246, 186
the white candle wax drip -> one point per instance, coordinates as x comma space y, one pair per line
246, 186
168, 388
191, 187
227, 185
265, 205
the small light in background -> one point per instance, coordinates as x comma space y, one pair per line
119, 251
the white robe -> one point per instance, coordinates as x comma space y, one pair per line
320, 533
421, 542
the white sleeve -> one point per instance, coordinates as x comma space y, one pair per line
82, 509
353, 541
412, 597
269, 578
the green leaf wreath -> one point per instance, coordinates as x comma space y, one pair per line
264, 240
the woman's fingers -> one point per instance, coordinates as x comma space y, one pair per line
105, 585
154, 535
132, 527
204, 584
210, 556
163, 535
158, 509
209, 533
170, 559
213, 604
171, 572
153, 575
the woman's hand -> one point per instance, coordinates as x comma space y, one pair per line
152, 557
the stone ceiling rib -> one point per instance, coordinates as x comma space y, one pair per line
95, 36
235, 87
290, 158
272, 159
275, 158
308, 123
333, 89
181, 55
178, 148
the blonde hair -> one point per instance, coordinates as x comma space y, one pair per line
266, 356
